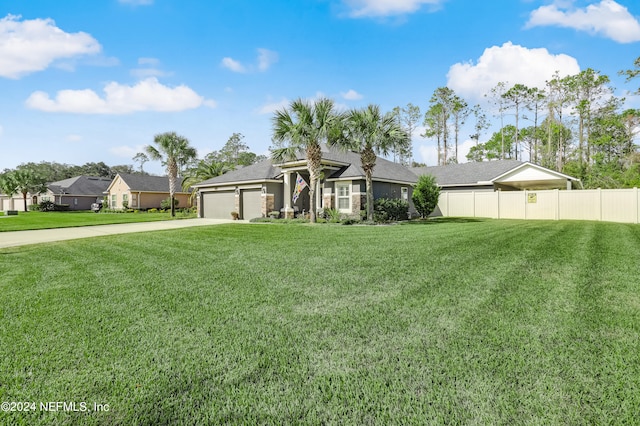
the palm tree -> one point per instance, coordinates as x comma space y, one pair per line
370, 133
23, 181
172, 150
303, 127
205, 170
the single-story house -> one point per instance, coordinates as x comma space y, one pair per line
143, 192
77, 192
503, 175
258, 189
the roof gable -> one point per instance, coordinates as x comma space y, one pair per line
384, 169
533, 176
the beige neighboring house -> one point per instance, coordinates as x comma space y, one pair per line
16, 201
143, 192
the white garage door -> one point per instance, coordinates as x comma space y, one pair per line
218, 205
251, 203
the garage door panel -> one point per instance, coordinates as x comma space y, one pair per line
251, 203
218, 205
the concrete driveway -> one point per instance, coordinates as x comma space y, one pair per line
21, 238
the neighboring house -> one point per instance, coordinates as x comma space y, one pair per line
256, 190
77, 192
143, 192
16, 202
504, 175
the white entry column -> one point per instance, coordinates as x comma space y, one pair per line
288, 211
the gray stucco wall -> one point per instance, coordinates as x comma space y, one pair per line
84, 202
392, 190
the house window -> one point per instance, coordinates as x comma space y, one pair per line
46, 198
75, 201
343, 196
404, 191
125, 198
114, 201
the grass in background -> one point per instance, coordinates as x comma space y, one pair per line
485, 322
47, 220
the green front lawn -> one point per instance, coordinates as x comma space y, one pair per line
48, 220
472, 322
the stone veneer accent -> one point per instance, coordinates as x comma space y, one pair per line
356, 203
268, 204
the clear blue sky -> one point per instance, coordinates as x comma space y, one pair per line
87, 81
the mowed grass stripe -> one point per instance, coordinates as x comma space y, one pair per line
451, 322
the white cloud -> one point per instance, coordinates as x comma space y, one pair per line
74, 138
351, 95
271, 107
146, 95
381, 8
429, 153
233, 65
32, 45
150, 69
266, 58
511, 64
153, 62
607, 18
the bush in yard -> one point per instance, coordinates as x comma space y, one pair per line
425, 195
331, 215
390, 209
46, 206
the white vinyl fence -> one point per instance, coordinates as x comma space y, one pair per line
610, 205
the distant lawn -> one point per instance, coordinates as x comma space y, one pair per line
485, 322
48, 220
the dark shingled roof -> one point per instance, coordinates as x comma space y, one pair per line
467, 173
266, 170
81, 185
384, 169
147, 183
261, 171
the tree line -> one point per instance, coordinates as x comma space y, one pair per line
575, 125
